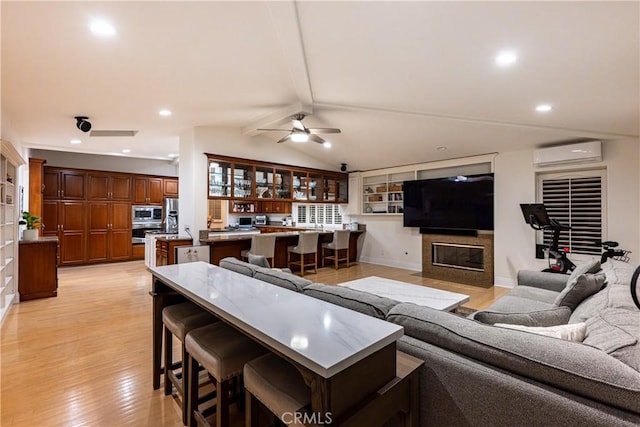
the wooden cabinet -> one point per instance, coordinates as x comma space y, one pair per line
165, 249
148, 191
64, 184
72, 234
109, 231
38, 270
36, 181
276, 207
108, 186
171, 187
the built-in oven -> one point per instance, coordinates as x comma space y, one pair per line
145, 219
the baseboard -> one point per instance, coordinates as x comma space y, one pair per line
390, 263
503, 282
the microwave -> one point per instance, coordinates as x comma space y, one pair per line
146, 214
261, 220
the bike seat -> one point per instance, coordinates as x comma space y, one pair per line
610, 244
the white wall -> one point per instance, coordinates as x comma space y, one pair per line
387, 242
106, 163
229, 142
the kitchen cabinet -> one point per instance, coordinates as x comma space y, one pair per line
66, 220
64, 184
109, 231
276, 207
165, 249
36, 181
108, 186
170, 187
147, 191
38, 270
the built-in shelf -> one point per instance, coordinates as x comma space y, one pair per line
383, 194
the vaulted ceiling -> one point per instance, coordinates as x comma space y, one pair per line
399, 78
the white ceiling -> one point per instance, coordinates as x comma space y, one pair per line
399, 78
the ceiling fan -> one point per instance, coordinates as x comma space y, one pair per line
301, 133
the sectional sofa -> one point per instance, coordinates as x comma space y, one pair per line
477, 373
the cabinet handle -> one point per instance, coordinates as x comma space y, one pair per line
62, 191
61, 227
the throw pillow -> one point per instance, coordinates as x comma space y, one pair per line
589, 267
551, 317
578, 289
259, 260
572, 332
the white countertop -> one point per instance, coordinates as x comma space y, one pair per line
407, 292
320, 336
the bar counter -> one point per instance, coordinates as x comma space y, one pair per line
222, 246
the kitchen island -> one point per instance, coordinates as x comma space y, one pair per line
224, 245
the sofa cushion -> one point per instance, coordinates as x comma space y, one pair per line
259, 260
282, 279
579, 288
570, 366
616, 332
515, 304
574, 332
550, 317
364, 302
536, 294
234, 264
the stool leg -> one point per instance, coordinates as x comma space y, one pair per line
192, 400
336, 255
168, 360
186, 381
252, 408
222, 405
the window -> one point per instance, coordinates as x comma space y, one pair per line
320, 214
575, 199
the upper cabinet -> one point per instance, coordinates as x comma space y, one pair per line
243, 179
171, 187
147, 191
64, 184
108, 186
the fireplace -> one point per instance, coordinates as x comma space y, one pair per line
460, 259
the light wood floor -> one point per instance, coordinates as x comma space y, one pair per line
84, 357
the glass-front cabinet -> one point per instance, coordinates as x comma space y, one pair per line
300, 185
242, 181
342, 195
264, 182
315, 187
283, 184
219, 178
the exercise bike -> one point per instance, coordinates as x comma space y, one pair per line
535, 214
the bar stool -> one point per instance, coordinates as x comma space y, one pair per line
307, 245
223, 352
276, 384
339, 243
261, 244
178, 320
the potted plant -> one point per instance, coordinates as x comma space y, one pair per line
33, 223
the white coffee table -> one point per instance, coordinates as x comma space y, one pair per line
407, 292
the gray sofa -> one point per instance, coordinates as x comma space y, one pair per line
478, 374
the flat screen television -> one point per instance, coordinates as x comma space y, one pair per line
457, 203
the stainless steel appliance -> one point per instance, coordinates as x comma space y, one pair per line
261, 220
171, 216
145, 219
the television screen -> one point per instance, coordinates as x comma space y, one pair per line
456, 203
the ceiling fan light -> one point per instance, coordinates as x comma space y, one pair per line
299, 137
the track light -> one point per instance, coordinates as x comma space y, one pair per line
82, 123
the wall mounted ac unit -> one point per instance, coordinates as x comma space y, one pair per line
573, 153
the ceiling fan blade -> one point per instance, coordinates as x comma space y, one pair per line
324, 130
274, 130
284, 138
316, 138
297, 124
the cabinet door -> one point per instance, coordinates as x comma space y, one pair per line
267, 207
140, 190
97, 246
98, 229
156, 192
51, 181
50, 218
97, 186
120, 218
119, 245
73, 234
121, 187
72, 185
170, 187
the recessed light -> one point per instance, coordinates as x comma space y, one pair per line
441, 148
172, 155
126, 150
506, 58
543, 108
102, 28
164, 113
75, 141
326, 144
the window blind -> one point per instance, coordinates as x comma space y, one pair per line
577, 202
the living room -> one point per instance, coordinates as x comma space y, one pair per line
413, 86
